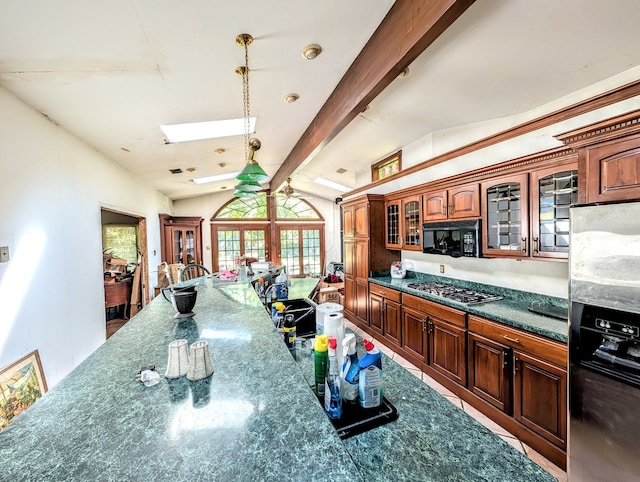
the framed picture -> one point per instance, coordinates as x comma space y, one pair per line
21, 384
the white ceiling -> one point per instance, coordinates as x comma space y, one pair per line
112, 72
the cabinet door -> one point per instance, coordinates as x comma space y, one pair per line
376, 312
414, 332
613, 171
447, 349
349, 257
361, 261
553, 191
540, 397
505, 211
392, 323
362, 300
393, 239
490, 371
348, 221
361, 220
464, 201
350, 294
411, 224
434, 206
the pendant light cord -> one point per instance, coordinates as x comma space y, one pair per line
245, 100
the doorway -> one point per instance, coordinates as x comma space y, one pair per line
126, 276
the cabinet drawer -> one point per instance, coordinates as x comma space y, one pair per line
451, 315
385, 292
552, 351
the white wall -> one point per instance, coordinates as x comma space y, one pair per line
206, 206
52, 188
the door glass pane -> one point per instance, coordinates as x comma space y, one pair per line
177, 246
503, 216
254, 244
393, 224
190, 246
290, 250
228, 248
311, 251
412, 223
558, 192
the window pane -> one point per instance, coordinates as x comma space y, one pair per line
290, 251
121, 241
254, 244
228, 248
245, 208
294, 208
311, 251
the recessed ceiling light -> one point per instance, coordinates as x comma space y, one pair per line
310, 52
124, 149
194, 131
331, 184
219, 177
342, 170
191, 169
220, 150
291, 98
404, 73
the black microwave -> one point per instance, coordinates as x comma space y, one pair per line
453, 238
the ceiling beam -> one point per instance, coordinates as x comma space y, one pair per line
408, 29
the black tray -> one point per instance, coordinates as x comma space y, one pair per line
356, 419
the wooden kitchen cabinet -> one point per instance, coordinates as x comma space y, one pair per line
384, 312
403, 224
414, 333
447, 349
181, 239
458, 202
553, 191
608, 158
522, 374
505, 212
364, 251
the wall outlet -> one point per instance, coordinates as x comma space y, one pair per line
4, 254
442, 268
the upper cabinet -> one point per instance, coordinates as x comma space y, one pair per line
553, 191
608, 158
403, 224
505, 211
459, 202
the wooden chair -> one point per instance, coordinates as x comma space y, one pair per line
193, 270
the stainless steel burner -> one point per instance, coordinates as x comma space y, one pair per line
450, 292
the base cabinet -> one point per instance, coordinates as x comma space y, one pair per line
490, 371
384, 313
448, 349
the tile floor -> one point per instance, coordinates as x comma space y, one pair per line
553, 469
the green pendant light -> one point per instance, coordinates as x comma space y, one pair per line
249, 186
252, 173
245, 194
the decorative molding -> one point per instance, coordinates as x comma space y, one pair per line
612, 128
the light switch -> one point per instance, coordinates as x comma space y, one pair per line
4, 254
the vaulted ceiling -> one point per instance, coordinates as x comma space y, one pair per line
112, 72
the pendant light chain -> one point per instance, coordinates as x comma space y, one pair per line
245, 98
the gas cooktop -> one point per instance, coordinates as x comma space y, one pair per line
450, 292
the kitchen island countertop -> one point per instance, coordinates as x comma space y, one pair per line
255, 418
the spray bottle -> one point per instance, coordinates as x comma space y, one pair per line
289, 328
370, 385
332, 396
350, 372
321, 360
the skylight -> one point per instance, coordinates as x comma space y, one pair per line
195, 131
331, 184
219, 177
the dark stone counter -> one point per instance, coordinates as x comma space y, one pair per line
254, 419
512, 310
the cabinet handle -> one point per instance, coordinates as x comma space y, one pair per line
523, 245
536, 245
515, 340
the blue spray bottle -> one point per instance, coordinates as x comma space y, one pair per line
350, 372
332, 396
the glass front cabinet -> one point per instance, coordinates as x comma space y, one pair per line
553, 191
505, 211
403, 224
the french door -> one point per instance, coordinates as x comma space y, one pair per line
230, 241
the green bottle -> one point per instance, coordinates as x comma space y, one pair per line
321, 360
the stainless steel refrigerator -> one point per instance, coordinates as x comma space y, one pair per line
604, 343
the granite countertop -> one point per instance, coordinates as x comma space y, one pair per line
512, 310
255, 418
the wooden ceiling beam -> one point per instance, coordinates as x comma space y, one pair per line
408, 29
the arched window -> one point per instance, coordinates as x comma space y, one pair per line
288, 231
